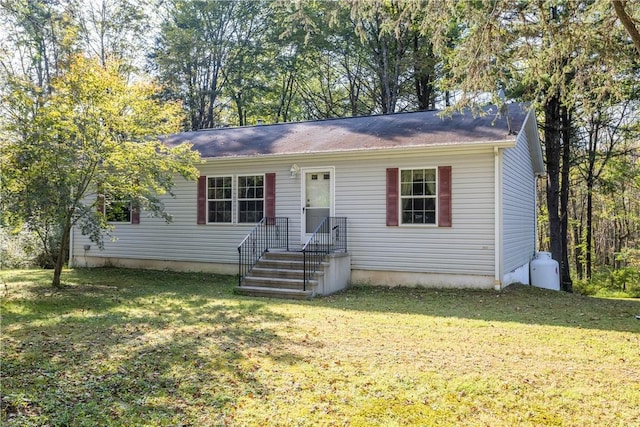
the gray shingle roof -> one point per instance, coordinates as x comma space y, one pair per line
402, 130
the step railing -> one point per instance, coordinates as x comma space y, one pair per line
268, 233
330, 236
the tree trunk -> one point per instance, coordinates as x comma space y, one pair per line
385, 90
565, 279
286, 96
422, 75
239, 109
577, 235
592, 147
553, 151
627, 22
57, 269
589, 236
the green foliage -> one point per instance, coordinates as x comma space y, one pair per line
235, 62
41, 35
93, 131
193, 47
621, 281
627, 279
113, 29
19, 249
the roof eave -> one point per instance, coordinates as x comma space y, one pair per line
530, 130
453, 146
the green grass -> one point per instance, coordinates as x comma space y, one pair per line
131, 347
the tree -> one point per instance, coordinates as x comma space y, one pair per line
93, 134
246, 58
113, 30
40, 36
388, 49
193, 48
620, 206
630, 23
605, 136
311, 41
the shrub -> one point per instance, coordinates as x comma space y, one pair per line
622, 281
18, 249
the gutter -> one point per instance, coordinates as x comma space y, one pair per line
448, 146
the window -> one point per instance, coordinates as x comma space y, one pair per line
219, 199
418, 196
118, 210
414, 195
117, 207
250, 198
230, 200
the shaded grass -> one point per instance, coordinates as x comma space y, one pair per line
133, 347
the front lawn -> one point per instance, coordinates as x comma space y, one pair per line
132, 347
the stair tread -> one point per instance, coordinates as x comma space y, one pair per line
277, 280
275, 290
279, 270
281, 264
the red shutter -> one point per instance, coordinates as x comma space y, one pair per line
270, 195
444, 196
100, 200
392, 196
135, 213
202, 200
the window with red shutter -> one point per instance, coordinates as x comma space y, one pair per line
247, 198
414, 196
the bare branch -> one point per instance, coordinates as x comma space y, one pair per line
627, 22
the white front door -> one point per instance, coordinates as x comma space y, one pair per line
317, 198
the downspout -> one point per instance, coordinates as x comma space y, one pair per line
536, 179
497, 209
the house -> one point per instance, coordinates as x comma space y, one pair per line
429, 200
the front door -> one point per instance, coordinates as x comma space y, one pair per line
317, 199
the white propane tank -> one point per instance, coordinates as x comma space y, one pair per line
545, 272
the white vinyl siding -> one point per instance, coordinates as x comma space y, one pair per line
360, 195
183, 239
518, 206
465, 248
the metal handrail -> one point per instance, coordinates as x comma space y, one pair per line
268, 233
330, 236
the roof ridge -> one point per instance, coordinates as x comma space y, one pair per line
317, 120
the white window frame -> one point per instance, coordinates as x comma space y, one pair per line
235, 197
219, 200
248, 199
402, 197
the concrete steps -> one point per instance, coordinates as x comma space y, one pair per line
279, 275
